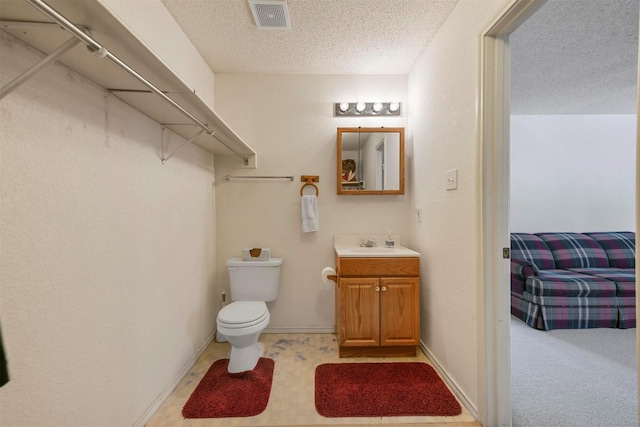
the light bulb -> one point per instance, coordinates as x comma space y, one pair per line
344, 106
394, 106
360, 107
377, 107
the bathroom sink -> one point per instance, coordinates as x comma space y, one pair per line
377, 251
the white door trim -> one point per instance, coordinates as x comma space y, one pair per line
494, 299
638, 215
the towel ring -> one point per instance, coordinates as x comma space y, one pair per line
309, 180
309, 184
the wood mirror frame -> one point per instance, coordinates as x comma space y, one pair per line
370, 161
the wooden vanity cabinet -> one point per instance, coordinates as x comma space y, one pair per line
378, 306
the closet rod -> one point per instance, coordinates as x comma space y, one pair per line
228, 177
101, 52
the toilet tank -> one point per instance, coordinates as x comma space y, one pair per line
254, 280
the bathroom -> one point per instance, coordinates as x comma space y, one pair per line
267, 212
118, 260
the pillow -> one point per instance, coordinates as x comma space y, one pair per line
575, 250
620, 247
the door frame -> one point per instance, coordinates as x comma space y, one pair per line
494, 299
494, 305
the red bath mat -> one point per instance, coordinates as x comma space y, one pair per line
221, 394
382, 390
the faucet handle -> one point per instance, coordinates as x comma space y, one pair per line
370, 243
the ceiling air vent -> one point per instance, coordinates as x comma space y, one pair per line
270, 14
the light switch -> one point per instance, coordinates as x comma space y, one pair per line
452, 179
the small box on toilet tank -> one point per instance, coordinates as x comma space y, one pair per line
256, 254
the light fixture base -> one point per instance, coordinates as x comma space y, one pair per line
370, 109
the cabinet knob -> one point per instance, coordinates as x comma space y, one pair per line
384, 288
377, 288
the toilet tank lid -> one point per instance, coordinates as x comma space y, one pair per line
239, 262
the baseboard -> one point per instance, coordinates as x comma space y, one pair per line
300, 330
473, 410
153, 408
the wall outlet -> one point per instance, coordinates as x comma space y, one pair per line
452, 179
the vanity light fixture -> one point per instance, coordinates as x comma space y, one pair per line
367, 109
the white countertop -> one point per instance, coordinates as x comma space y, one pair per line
374, 252
348, 245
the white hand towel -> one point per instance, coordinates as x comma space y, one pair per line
309, 213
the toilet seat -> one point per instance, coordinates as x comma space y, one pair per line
243, 314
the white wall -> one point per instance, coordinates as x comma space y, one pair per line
290, 119
107, 257
573, 173
445, 88
369, 154
391, 156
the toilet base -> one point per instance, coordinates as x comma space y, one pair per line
244, 358
221, 338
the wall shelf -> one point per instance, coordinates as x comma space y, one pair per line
27, 23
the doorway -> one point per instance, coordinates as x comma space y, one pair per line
494, 150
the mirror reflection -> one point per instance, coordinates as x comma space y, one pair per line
370, 161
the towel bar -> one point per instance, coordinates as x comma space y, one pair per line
228, 177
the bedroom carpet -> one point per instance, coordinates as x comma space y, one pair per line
221, 394
382, 390
573, 377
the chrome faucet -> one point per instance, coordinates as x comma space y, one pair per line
370, 244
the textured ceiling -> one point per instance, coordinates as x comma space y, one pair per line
327, 36
575, 57
570, 57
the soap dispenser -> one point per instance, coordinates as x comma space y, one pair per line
389, 242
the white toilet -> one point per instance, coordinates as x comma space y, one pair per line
252, 283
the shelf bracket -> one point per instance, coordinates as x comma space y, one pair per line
166, 156
13, 84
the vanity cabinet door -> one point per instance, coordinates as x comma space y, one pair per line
399, 311
359, 311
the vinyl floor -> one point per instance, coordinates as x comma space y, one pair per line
291, 402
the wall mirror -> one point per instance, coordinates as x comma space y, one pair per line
370, 161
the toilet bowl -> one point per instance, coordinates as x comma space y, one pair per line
242, 322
